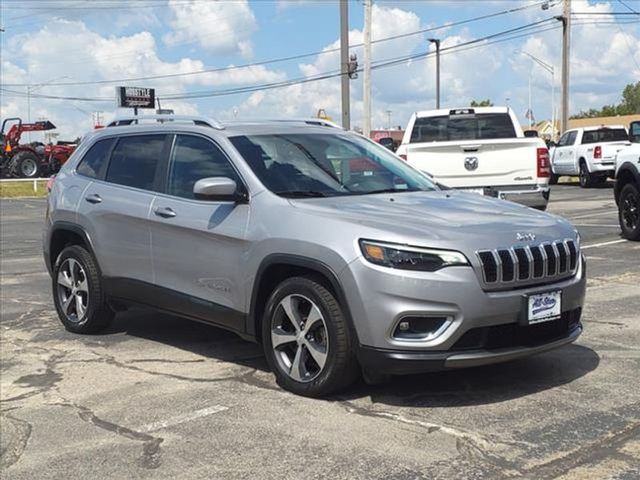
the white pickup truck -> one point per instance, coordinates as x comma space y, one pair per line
479, 149
627, 187
589, 152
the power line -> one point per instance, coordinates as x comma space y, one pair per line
284, 59
511, 34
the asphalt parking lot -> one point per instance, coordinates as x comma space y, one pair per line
160, 397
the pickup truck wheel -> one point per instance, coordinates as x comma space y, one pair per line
629, 212
586, 179
553, 179
306, 339
77, 292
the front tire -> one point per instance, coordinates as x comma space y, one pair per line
306, 339
629, 212
78, 294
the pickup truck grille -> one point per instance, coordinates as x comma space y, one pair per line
530, 264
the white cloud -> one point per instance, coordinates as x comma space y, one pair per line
402, 89
219, 27
601, 58
67, 51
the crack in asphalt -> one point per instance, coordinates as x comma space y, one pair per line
468, 443
110, 360
592, 453
40, 382
14, 450
151, 451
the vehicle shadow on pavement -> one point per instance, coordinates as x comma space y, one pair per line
187, 335
483, 385
459, 387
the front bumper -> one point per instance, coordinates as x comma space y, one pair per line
483, 327
399, 362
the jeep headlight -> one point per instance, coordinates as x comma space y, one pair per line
411, 258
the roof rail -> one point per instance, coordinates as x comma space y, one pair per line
308, 121
161, 118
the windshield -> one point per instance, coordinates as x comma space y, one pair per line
323, 165
480, 126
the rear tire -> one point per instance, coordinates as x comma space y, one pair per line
27, 165
553, 179
629, 212
313, 354
78, 294
586, 179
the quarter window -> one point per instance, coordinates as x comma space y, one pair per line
135, 159
93, 163
192, 159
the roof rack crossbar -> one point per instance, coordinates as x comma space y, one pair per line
196, 120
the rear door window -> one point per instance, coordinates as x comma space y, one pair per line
94, 162
482, 126
135, 160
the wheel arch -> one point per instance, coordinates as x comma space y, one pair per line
64, 234
277, 267
625, 175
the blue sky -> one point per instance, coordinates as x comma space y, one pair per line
49, 42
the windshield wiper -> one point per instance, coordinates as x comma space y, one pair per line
300, 194
389, 190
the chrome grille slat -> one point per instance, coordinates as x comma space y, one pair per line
527, 264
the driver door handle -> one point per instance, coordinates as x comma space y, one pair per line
93, 198
165, 212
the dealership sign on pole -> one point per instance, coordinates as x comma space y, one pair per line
136, 97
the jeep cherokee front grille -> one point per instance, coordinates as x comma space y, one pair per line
543, 263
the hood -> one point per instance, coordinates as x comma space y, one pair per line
440, 219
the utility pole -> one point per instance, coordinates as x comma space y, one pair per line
344, 63
437, 42
366, 122
566, 37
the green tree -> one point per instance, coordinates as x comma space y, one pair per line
481, 103
630, 100
630, 105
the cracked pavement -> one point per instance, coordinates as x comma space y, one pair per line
161, 397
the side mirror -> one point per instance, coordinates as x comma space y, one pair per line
218, 188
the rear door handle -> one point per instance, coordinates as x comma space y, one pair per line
165, 212
93, 198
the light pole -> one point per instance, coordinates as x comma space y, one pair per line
389, 120
437, 43
549, 68
30, 89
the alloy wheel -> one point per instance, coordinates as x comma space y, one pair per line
73, 290
631, 211
299, 338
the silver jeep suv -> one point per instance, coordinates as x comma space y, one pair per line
320, 244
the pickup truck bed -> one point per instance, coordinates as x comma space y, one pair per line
488, 153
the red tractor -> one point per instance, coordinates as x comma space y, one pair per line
33, 159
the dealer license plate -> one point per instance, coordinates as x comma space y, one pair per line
544, 307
